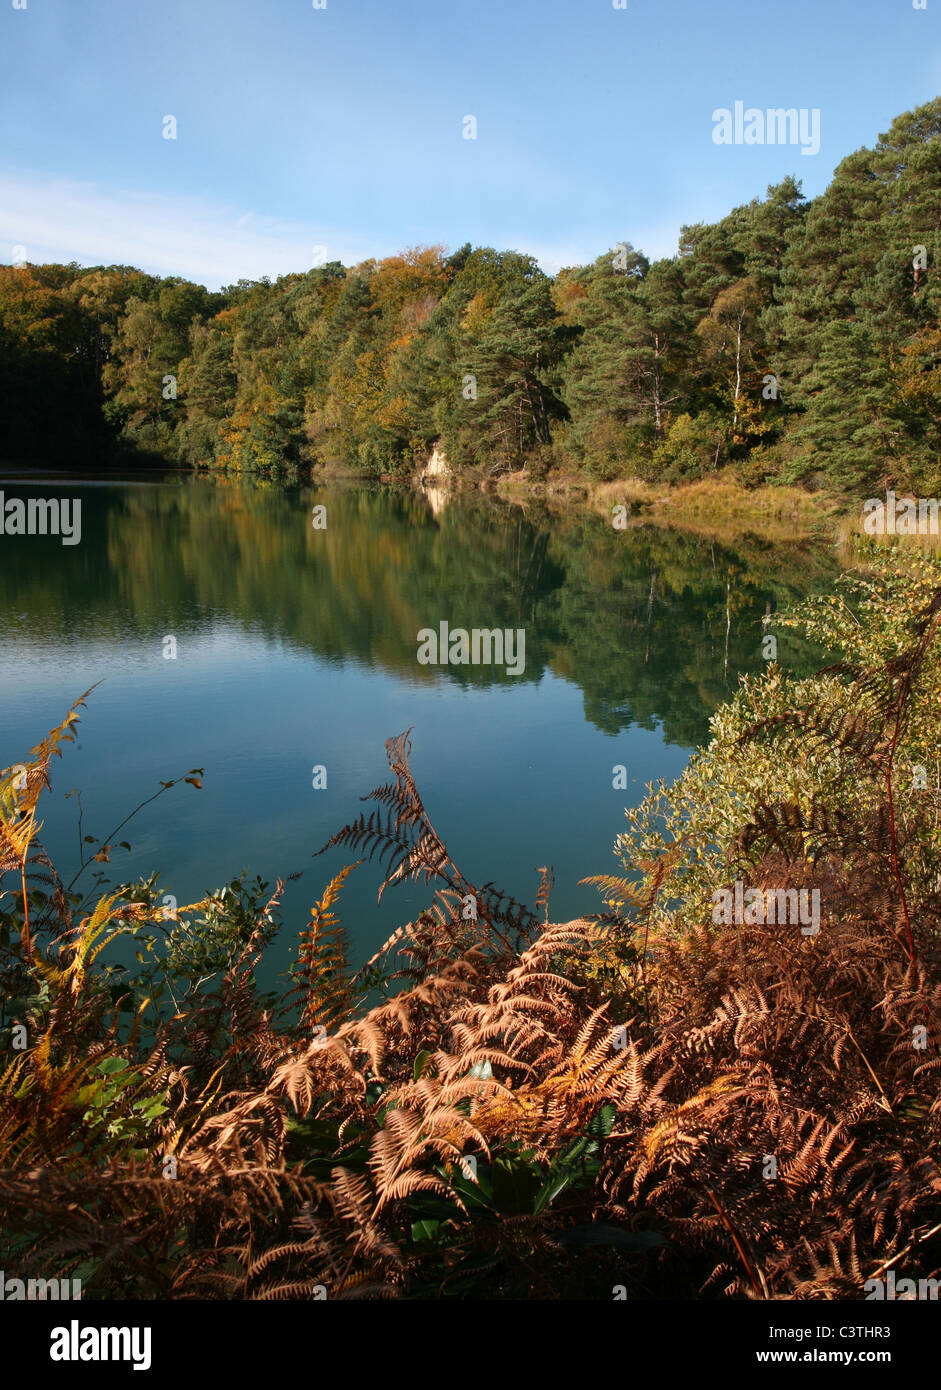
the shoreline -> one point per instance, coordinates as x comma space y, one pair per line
717, 507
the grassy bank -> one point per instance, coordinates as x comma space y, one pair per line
718, 507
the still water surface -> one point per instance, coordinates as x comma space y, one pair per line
297, 647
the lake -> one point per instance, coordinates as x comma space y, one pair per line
296, 647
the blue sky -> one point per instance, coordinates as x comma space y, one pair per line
341, 128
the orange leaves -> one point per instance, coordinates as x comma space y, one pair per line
416, 273
567, 293
396, 413
321, 976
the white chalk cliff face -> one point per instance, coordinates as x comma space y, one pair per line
436, 469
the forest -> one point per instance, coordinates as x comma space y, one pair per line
797, 341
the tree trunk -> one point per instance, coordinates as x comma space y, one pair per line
657, 383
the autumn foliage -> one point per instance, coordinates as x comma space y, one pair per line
496, 1105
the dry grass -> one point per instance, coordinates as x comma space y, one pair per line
714, 504
718, 507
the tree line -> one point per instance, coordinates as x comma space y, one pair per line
796, 341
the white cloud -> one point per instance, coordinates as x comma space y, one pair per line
65, 220
59, 219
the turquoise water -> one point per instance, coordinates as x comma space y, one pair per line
297, 647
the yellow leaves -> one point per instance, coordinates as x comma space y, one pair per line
89, 944
592, 1072
567, 292
619, 891
918, 374
417, 272
395, 414
477, 315
523, 1113
696, 1113
20, 789
332, 892
15, 839
321, 970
